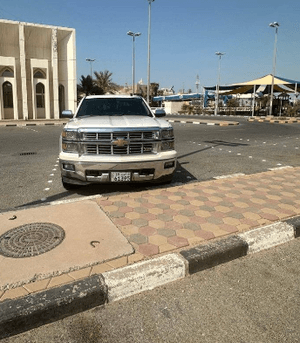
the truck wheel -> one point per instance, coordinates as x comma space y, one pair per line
69, 186
166, 179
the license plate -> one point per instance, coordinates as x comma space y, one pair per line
120, 176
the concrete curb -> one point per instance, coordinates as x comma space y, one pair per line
18, 315
202, 122
37, 309
213, 254
33, 123
274, 120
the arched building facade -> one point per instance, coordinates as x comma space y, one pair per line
37, 71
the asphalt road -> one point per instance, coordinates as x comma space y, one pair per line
30, 175
249, 300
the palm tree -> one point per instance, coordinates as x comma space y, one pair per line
86, 86
104, 83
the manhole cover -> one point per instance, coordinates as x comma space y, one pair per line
31, 240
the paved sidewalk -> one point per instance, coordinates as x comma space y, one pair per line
165, 220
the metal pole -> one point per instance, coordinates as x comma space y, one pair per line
149, 30
91, 60
130, 33
133, 63
276, 25
220, 54
253, 102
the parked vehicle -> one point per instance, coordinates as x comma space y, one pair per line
115, 139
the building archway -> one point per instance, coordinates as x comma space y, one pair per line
39, 74
40, 100
61, 96
7, 72
8, 101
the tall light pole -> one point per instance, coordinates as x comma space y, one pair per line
220, 54
275, 25
197, 83
133, 35
91, 60
149, 30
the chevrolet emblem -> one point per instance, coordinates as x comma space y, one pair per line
120, 142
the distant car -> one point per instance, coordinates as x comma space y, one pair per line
158, 111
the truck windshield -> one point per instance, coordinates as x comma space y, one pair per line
113, 107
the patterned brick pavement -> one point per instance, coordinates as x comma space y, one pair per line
162, 220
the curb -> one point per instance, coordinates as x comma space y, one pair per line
22, 314
28, 123
34, 310
273, 120
199, 122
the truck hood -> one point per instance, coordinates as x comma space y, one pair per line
117, 122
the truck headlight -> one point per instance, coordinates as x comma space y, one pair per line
69, 147
71, 135
167, 134
167, 145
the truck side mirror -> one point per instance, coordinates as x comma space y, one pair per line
67, 114
159, 112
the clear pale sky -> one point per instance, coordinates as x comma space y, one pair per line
185, 34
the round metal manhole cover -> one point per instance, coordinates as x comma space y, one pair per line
31, 240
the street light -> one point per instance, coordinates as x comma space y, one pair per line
275, 25
149, 29
220, 54
91, 60
133, 35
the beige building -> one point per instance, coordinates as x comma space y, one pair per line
37, 70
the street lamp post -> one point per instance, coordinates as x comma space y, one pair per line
220, 54
149, 30
133, 35
275, 25
91, 60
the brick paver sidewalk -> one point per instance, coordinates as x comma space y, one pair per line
162, 220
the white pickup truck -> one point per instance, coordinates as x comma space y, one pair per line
114, 138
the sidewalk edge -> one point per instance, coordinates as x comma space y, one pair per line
22, 314
31, 311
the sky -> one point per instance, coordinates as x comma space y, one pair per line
185, 35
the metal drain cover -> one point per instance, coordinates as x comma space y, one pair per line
31, 240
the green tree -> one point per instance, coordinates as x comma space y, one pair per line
104, 83
86, 86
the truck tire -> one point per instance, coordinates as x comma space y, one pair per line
69, 186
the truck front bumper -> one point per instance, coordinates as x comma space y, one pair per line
87, 172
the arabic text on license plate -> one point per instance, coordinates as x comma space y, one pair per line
120, 176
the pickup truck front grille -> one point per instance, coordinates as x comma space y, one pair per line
118, 143
107, 136
108, 149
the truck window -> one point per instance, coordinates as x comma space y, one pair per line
113, 107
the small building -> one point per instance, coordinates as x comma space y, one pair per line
37, 71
